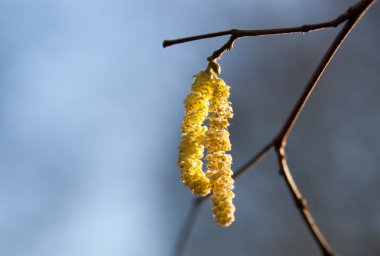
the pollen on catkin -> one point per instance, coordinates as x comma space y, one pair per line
208, 104
218, 161
191, 148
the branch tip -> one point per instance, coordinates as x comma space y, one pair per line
165, 43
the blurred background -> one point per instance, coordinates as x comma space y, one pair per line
90, 113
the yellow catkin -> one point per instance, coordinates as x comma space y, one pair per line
208, 100
218, 162
191, 148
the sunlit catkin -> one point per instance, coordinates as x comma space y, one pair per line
218, 161
191, 147
208, 101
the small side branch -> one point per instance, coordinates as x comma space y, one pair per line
246, 167
253, 161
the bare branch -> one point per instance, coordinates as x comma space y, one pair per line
261, 32
352, 16
280, 141
227, 46
168, 43
237, 33
360, 10
253, 161
301, 203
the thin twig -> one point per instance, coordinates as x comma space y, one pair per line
186, 229
280, 141
301, 203
168, 43
247, 166
253, 161
352, 16
353, 20
237, 33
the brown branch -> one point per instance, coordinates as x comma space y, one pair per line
352, 16
281, 139
301, 203
237, 33
353, 20
168, 43
246, 167
253, 161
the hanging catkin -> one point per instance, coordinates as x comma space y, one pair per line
208, 101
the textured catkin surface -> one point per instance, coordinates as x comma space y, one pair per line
209, 102
191, 147
218, 161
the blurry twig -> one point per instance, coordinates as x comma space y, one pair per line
187, 227
352, 16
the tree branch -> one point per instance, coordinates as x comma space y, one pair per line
353, 20
280, 141
301, 203
352, 16
238, 33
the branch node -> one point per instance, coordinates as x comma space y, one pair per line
306, 28
234, 32
301, 203
350, 13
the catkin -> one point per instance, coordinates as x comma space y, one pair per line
191, 148
208, 101
218, 161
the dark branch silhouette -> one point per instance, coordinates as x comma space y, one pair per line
238, 33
